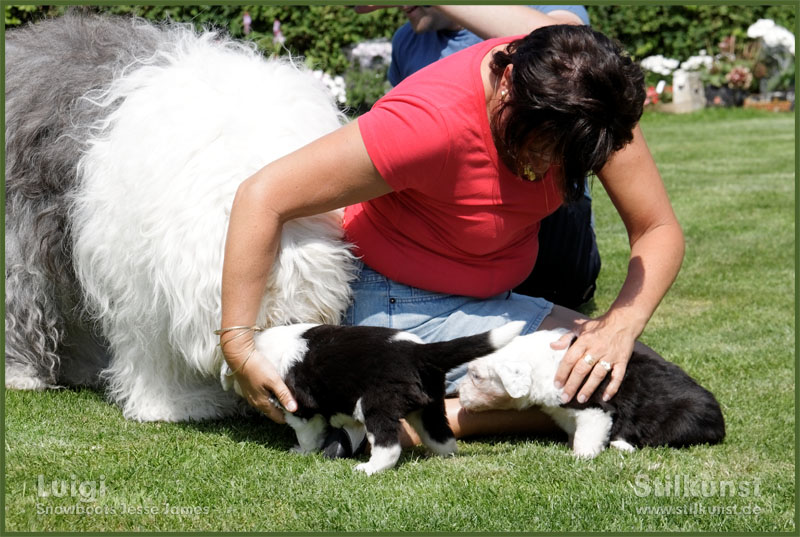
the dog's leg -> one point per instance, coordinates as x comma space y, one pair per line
383, 431
431, 425
151, 382
592, 429
34, 324
382, 457
564, 418
310, 433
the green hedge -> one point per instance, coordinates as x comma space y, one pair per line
682, 31
322, 33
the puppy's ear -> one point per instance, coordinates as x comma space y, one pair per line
515, 376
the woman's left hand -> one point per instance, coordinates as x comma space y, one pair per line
604, 344
601, 349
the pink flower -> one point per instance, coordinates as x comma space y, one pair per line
739, 77
651, 96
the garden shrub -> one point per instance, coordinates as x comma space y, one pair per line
319, 33
682, 31
322, 34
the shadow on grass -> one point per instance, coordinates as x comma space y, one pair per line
250, 427
509, 442
589, 308
254, 428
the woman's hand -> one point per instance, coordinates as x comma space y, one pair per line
331, 172
602, 348
257, 378
605, 344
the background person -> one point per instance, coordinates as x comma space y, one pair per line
435, 32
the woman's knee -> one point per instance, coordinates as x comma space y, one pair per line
561, 317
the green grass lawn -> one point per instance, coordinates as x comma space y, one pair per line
729, 321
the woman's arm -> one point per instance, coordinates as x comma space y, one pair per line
498, 21
327, 174
656, 240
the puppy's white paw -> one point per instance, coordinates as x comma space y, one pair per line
368, 468
592, 428
622, 445
382, 458
301, 451
588, 450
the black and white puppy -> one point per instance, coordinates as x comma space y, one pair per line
657, 404
372, 376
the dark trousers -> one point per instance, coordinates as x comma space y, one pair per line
568, 262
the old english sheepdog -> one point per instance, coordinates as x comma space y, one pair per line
125, 144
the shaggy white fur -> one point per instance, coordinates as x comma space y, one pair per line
516, 375
149, 221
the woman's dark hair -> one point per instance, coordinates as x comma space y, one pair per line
575, 98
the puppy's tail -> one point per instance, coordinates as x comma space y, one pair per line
445, 355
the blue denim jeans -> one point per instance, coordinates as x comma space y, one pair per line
379, 301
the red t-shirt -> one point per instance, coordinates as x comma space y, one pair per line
458, 221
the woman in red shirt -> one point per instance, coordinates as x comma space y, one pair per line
445, 181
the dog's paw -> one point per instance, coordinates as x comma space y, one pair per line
300, 450
592, 428
622, 445
368, 468
586, 450
382, 458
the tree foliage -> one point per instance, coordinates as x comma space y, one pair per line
320, 33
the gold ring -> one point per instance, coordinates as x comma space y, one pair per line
605, 365
588, 359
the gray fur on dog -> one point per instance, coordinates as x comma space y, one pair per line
50, 67
126, 143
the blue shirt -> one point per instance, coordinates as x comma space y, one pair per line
411, 51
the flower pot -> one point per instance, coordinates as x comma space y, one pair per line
724, 96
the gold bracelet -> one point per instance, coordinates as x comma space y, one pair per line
254, 328
221, 345
232, 373
245, 330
